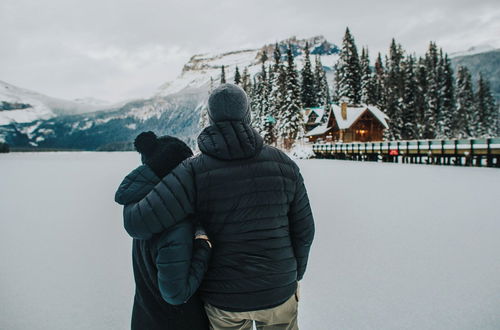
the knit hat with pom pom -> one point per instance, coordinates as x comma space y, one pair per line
162, 154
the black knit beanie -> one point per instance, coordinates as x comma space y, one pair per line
161, 154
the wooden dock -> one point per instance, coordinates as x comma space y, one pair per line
472, 152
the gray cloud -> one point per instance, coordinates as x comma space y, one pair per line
118, 49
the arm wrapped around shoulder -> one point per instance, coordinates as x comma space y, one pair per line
169, 202
136, 185
301, 226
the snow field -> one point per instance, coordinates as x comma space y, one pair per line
402, 247
397, 246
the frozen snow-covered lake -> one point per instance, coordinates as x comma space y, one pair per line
397, 246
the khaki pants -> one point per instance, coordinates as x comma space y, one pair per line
282, 317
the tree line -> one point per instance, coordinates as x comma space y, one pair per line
280, 92
422, 96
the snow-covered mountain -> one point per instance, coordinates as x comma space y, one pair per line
19, 105
174, 109
200, 68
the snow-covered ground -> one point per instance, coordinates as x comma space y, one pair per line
397, 246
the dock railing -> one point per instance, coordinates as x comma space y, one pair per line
460, 152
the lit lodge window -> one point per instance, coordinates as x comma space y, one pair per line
361, 132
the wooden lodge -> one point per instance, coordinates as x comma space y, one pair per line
345, 123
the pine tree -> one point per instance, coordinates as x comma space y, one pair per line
277, 94
290, 121
246, 82
440, 131
447, 99
237, 76
492, 117
409, 106
487, 109
367, 80
259, 100
259, 94
393, 91
255, 110
308, 92
432, 101
267, 121
348, 72
319, 72
270, 79
378, 82
327, 106
322, 89
421, 74
480, 105
223, 75
465, 105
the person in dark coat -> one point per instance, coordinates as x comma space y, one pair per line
254, 206
169, 266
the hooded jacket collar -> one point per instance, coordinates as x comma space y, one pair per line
230, 140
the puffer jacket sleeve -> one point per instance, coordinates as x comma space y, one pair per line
136, 185
169, 202
181, 263
301, 223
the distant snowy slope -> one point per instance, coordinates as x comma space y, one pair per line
114, 129
19, 105
90, 101
473, 50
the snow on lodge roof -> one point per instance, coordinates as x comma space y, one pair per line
319, 130
353, 113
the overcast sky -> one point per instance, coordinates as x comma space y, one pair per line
120, 49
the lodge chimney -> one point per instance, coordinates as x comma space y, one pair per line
343, 110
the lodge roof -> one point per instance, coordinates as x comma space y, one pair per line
354, 112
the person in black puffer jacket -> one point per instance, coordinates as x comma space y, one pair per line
253, 203
168, 267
